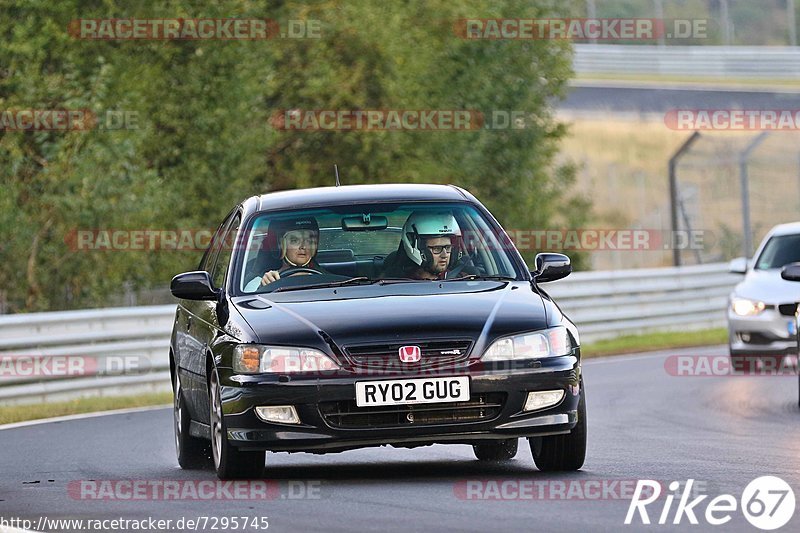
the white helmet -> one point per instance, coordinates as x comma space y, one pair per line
421, 226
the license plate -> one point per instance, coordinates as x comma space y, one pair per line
792, 327
411, 391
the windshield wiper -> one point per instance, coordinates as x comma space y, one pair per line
340, 283
391, 281
482, 278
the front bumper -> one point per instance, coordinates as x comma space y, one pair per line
767, 333
318, 432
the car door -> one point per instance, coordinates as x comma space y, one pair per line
191, 342
209, 325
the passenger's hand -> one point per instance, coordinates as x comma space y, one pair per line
269, 277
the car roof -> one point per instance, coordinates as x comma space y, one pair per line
351, 194
785, 229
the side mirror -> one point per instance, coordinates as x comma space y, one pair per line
193, 286
550, 267
791, 272
738, 266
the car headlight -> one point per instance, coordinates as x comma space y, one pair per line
745, 307
259, 359
533, 345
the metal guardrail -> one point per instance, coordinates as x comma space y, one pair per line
774, 62
95, 352
126, 350
628, 302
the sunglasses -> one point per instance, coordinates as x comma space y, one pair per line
436, 250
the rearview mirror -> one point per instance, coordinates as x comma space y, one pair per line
738, 266
550, 267
365, 222
791, 272
193, 286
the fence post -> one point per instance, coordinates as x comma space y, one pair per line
726, 22
659, 7
673, 192
747, 245
591, 13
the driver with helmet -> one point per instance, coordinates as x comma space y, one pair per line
298, 240
431, 248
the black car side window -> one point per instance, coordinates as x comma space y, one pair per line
210, 255
227, 245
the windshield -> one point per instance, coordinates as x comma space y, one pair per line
371, 243
779, 251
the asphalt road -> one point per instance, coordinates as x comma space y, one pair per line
649, 99
643, 423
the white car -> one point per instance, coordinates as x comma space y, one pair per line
791, 273
761, 311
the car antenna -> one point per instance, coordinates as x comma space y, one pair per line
336, 170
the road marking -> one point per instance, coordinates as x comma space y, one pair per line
83, 416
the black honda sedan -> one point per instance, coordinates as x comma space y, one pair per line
337, 318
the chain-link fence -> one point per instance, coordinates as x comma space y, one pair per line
624, 169
731, 188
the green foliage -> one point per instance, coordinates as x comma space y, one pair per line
729, 242
10, 414
203, 140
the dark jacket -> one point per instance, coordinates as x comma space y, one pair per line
398, 265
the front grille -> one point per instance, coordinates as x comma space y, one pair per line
346, 414
787, 309
386, 356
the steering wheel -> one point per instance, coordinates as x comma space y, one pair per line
300, 270
462, 263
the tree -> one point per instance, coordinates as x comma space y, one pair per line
203, 139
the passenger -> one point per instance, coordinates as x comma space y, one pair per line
430, 249
298, 240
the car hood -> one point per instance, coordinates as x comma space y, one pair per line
475, 310
768, 286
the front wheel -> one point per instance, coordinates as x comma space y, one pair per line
737, 361
562, 452
229, 462
502, 450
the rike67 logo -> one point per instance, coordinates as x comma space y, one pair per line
767, 503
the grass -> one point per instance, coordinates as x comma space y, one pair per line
18, 413
622, 167
711, 81
655, 341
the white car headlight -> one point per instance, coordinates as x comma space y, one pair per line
534, 345
259, 359
745, 307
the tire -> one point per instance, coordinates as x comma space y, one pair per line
501, 450
229, 462
562, 452
193, 453
738, 361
